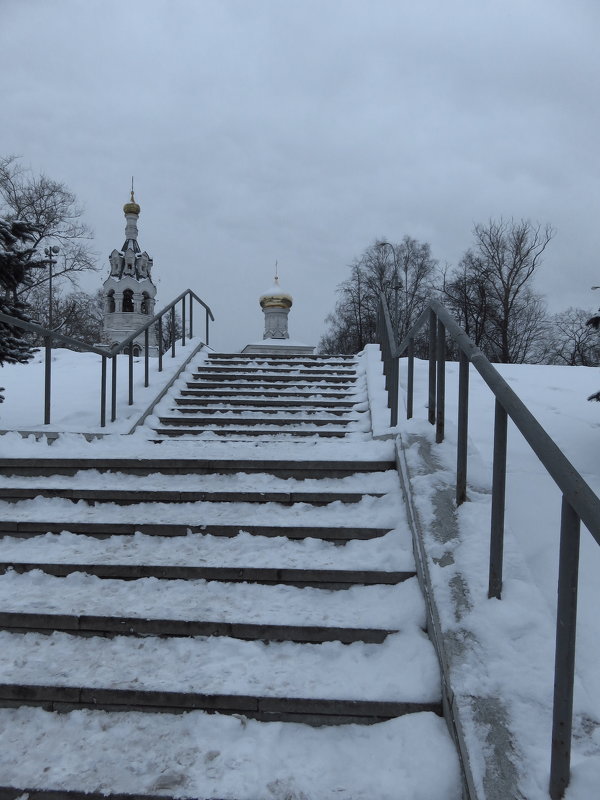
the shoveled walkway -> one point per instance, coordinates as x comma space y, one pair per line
261, 580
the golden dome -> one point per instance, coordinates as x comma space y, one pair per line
131, 207
275, 298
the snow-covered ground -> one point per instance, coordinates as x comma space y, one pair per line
517, 634
76, 383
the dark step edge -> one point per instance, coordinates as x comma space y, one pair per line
105, 530
248, 432
154, 465
130, 497
99, 625
279, 421
316, 578
10, 793
64, 698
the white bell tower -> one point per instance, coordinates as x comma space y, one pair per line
129, 291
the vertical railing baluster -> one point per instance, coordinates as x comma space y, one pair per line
160, 344
47, 378
191, 316
410, 378
498, 502
206, 311
103, 394
183, 321
564, 663
130, 373
113, 389
146, 357
463, 429
432, 353
441, 382
172, 331
394, 391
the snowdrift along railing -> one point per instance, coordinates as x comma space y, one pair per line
579, 502
125, 347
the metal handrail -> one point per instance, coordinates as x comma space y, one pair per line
579, 501
119, 348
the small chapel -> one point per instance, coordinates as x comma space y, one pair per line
129, 292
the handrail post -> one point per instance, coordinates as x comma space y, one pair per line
103, 394
47, 378
432, 353
130, 373
463, 428
160, 345
146, 357
498, 498
191, 317
394, 391
113, 390
564, 664
441, 382
172, 331
206, 312
410, 378
183, 321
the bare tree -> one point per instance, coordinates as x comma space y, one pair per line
491, 290
403, 273
571, 340
76, 314
54, 213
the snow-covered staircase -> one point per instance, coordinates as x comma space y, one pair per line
267, 588
236, 396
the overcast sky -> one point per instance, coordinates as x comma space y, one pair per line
301, 131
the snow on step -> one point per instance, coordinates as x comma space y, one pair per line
200, 755
391, 607
391, 552
370, 511
243, 482
404, 668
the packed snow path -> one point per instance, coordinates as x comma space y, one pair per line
242, 628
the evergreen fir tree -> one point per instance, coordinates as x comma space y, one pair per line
17, 258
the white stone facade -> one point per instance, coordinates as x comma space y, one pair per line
129, 292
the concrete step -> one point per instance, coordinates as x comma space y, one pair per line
330, 579
266, 377
283, 709
102, 530
134, 496
285, 395
331, 406
226, 369
105, 626
11, 793
310, 358
286, 468
191, 406
243, 433
270, 420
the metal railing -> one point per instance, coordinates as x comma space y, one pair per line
126, 347
579, 502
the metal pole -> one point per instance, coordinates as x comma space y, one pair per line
183, 321
130, 373
410, 378
146, 357
47, 378
206, 311
441, 382
394, 391
113, 389
160, 344
498, 497
432, 346
463, 427
564, 664
172, 331
191, 317
103, 394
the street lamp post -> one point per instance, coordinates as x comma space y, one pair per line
50, 251
395, 285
